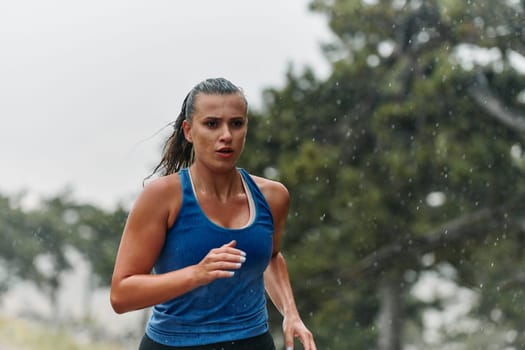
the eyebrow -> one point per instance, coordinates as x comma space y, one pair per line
216, 117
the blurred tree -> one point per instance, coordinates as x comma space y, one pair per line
95, 234
405, 158
32, 246
35, 242
13, 222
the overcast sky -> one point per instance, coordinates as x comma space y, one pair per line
85, 85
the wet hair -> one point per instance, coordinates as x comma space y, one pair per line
178, 152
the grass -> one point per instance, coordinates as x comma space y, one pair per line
17, 334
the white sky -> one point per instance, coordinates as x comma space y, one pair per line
84, 85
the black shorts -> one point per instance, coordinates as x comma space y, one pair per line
260, 342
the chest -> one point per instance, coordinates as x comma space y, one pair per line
194, 235
234, 213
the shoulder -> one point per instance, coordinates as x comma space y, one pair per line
162, 195
165, 186
275, 193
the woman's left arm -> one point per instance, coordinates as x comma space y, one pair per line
276, 278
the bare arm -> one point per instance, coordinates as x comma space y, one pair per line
133, 286
276, 278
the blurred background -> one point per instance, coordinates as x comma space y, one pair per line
398, 127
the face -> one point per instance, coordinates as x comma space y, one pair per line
217, 129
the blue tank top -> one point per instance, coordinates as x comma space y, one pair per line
228, 308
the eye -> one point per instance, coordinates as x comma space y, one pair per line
211, 123
237, 123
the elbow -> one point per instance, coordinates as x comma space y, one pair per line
118, 301
117, 304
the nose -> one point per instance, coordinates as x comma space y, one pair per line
226, 134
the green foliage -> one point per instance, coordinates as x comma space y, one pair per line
25, 236
395, 122
57, 224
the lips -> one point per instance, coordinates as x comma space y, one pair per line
225, 150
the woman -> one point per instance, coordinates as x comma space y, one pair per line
211, 232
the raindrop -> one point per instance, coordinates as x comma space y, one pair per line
271, 172
385, 48
496, 314
423, 37
516, 151
436, 199
372, 60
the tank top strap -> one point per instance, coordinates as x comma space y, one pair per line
187, 189
261, 204
189, 200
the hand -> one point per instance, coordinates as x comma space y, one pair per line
293, 327
219, 263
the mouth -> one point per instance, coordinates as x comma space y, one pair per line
226, 151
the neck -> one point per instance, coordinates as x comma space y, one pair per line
222, 185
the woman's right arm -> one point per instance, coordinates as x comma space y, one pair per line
133, 286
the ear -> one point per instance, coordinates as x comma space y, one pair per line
186, 127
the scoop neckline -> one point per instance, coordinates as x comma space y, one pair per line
251, 205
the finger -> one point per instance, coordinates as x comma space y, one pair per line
229, 248
221, 269
288, 340
221, 274
308, 341
224, 265
231, 244
228, 257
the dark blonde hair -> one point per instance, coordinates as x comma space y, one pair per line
178, 152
